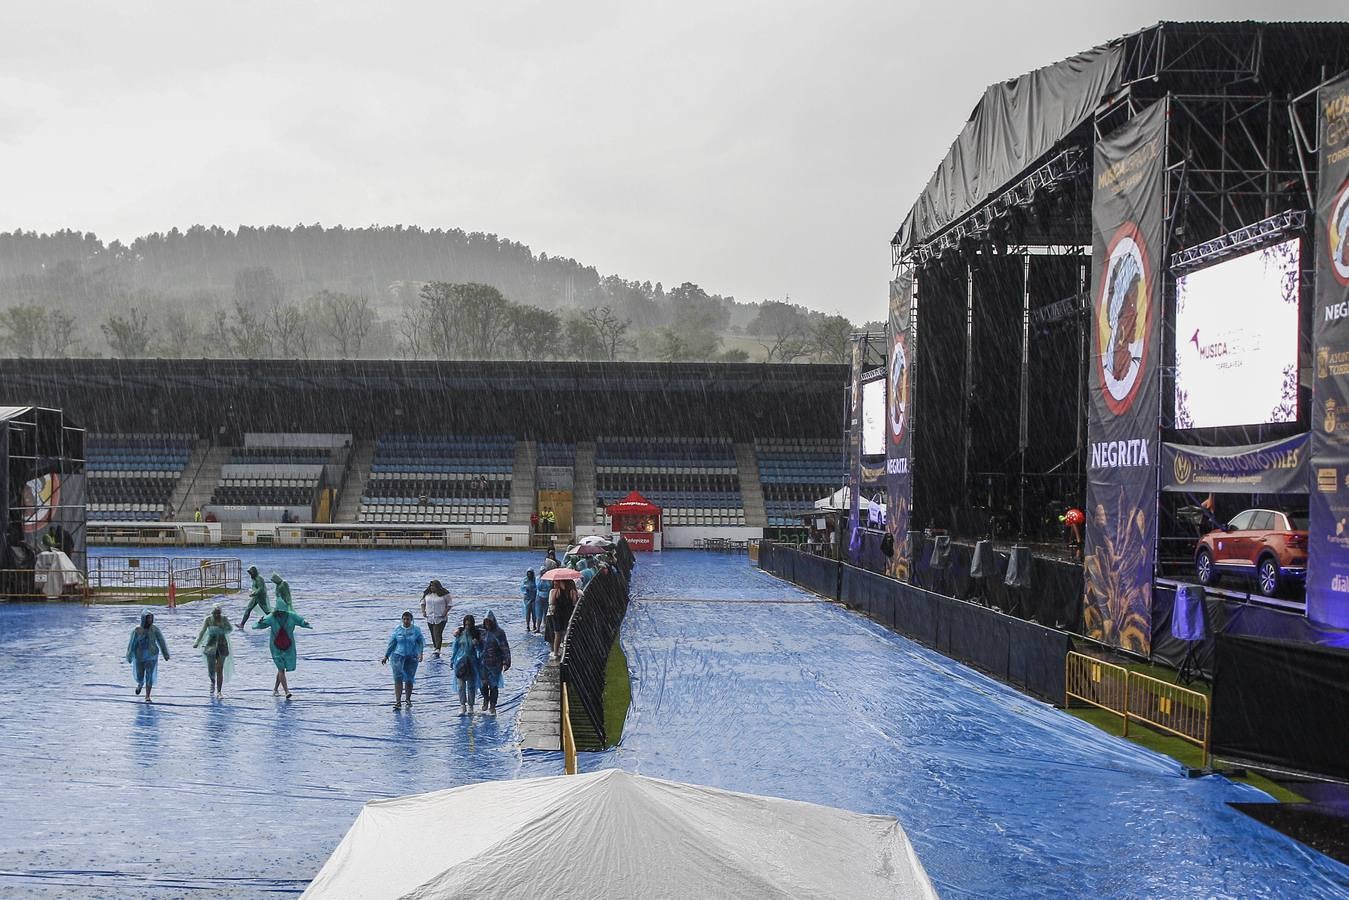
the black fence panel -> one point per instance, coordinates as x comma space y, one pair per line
1282, 704
585, 648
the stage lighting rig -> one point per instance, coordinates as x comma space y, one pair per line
1263, 232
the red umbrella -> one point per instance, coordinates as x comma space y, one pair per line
561, 575
590, 550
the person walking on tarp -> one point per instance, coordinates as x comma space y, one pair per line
219, 661
496, 659
528, 588
406, 646
257, 596
466, 661
561, 602
283, 598
282, 623
436, 603
143, 650
540, 604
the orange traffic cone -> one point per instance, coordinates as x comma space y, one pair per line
173, 594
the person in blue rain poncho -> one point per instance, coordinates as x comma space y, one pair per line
219, 661
282, 623
541, 589
283, 598
143, 650
257, 596
406, 647
588, 571
466, 663
496, 659
528, 588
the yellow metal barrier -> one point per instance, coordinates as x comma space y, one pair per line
1170, 708
1097, 682
568, 739
1141, 698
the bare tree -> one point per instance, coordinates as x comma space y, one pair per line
129, 336
346, 318
609, 329
293, 331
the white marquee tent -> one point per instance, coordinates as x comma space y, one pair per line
614, 834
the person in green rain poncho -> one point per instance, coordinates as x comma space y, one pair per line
283, 598
283, 623
219, 662
257, 596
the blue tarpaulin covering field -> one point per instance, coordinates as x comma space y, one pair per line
1001, 795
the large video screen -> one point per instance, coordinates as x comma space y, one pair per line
1236, 340
873, 418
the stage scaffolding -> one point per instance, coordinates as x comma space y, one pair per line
1239, 170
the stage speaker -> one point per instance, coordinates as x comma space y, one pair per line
941, 552
1018, 568
1189, 618
981, 565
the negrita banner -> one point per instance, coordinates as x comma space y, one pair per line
1122, 424
899, 423
1328, 535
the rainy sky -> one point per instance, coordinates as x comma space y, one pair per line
763, 150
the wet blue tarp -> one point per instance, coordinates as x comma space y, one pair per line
1002, 796
102, 795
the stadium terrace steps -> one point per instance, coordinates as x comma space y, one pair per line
522, 483
349, 504
583, 485
202, 481
200, 448
751, 491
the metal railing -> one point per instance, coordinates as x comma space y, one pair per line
585, 651
153, 574
1136, 697
568, 737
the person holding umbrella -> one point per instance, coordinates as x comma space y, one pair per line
561, 602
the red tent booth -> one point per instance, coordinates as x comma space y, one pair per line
638, 520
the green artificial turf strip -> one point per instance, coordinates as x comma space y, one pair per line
617, 694
1183, 752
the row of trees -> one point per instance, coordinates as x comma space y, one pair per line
442, 320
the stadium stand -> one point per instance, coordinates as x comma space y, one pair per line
695, 481
795, 472
279, 471
558, 455
132, 476
439, 479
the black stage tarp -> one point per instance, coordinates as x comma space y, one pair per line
1282, 704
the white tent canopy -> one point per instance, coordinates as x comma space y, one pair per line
614, 834
841, 499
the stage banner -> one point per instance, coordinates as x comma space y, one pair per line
899, 430
1328, 536
1278, 467
1122, 426
855, 457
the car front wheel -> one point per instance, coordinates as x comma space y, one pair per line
1203, 568
1267, 574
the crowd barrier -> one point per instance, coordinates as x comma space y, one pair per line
1282, 704
1054, 598
1136, 697
585, 656
1023, 654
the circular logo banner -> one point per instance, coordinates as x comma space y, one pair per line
1123, 318
1337, 235
899, 388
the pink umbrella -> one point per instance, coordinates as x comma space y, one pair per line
561, 575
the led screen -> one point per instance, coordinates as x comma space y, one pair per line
873, 418
1236, 340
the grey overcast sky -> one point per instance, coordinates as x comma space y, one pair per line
763, 150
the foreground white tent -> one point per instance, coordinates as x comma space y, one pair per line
614, 834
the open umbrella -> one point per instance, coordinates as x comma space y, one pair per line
561, 574
596, 539
590, 550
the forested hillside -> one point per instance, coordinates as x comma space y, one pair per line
311, 291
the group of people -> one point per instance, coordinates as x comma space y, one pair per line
544, 521
213, 640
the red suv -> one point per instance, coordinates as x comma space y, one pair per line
1264, 544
